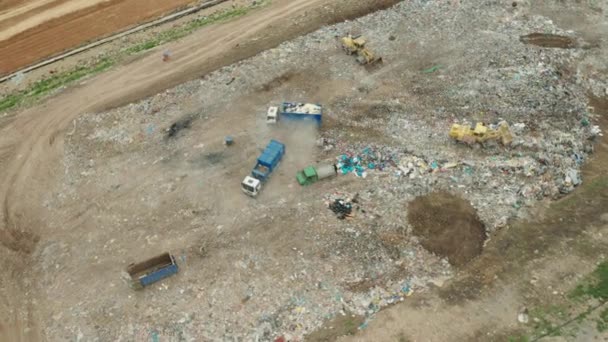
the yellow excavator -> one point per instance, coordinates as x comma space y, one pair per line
481, 133
356, 45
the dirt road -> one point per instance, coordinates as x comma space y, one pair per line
33, 30
32, 143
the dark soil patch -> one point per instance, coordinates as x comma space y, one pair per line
179, 125
276, 82
209, 159
215, 157
373, 111
448, 226
549, 40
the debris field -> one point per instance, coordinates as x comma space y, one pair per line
155, 176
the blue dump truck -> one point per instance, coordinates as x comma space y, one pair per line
265, 165
289, 111
150, 271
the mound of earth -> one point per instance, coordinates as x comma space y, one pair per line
448, 226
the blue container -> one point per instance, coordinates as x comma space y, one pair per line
268, 160
152, 270
294, 112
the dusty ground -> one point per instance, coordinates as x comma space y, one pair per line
33, 30
88, 188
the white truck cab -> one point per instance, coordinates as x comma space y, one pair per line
272, 116
251, 186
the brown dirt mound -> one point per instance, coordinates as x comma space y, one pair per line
549, 40
448, 226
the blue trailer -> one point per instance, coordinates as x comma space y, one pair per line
152, 270
301, 112
265, 165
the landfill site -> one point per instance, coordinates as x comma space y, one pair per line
430, 171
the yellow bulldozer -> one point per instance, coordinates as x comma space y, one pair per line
356, 45
481, 133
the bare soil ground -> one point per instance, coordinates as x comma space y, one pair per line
448, 226
34, 30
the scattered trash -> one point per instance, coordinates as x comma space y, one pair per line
572, 177
518, 128
596, 131
432, 69
449, 165
341, 208
347, 165
166, 55
369, 158
523, 316
154, 336
228, 140
18, 78
150, 129
179, 125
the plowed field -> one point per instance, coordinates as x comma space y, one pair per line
33, 30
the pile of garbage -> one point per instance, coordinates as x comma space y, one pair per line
369, 303
370, 158
343, 204
403, 163
341, 208
307, 108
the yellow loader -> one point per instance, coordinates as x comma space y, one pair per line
356, 45
481, 133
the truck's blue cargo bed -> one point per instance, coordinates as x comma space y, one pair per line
302, 112
268, 160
